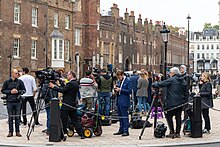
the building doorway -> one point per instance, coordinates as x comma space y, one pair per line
128, 64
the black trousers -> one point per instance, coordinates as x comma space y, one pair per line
31, 101
205, 114
177, 113
66, 115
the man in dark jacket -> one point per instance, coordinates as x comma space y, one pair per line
176, 96
187, 78
13, 88
104, 91
68, 109
134, 80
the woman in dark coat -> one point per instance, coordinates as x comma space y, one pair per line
206, 97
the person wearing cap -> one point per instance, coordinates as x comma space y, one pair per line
183, 73
104, 90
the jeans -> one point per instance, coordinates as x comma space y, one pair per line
48, 117
31, 101
14, 108
104, 96
142, 100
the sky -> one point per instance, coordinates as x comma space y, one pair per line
172, 12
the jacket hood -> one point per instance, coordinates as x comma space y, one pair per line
107, 76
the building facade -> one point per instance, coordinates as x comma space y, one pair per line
205, 48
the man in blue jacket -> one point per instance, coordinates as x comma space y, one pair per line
134, 80
176, 96
123, 90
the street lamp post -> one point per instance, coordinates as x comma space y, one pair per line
188, 44
10, 58
164, 33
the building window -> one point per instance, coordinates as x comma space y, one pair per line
120, 57
113, 37
67, 50
125, 39
16, 51
34, 16
60, 49
100, 33
56, 20
106, 34
198, 47
57, 49
217, 46
33, 49
198, 55
17, 9
67, 22
207, 55
212, 55
131, 40
203, 47
203, 55
207, 47
78, 37
119, 39
212, 46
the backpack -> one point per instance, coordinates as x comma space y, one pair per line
160, 130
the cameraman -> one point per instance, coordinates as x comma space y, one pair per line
176, 96
68, 109
13, 88
47, 94
105, 86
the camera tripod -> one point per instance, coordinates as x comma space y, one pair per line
157, 98
39, 106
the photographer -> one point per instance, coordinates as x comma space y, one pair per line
176, 96
13, 88
47, 94
68, 109
104, 90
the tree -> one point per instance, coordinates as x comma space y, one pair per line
207, 25
216, 27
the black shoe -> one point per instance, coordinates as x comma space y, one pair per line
125, 134
118, 133
176, 135
44, 131
83, 137
170, 135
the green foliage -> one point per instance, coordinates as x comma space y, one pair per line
209, 25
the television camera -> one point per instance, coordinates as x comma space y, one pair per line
47, 75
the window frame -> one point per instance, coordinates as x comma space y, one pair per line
34, 18
17, 47
17, 12
34, 48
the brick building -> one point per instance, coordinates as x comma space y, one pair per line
22, 35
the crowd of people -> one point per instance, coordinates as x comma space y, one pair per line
102, 86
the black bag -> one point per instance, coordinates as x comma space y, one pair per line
160, 130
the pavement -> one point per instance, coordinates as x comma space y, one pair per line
107, 138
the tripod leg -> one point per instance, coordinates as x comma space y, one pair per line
147, 117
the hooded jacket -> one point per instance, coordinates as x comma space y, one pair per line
176, 90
